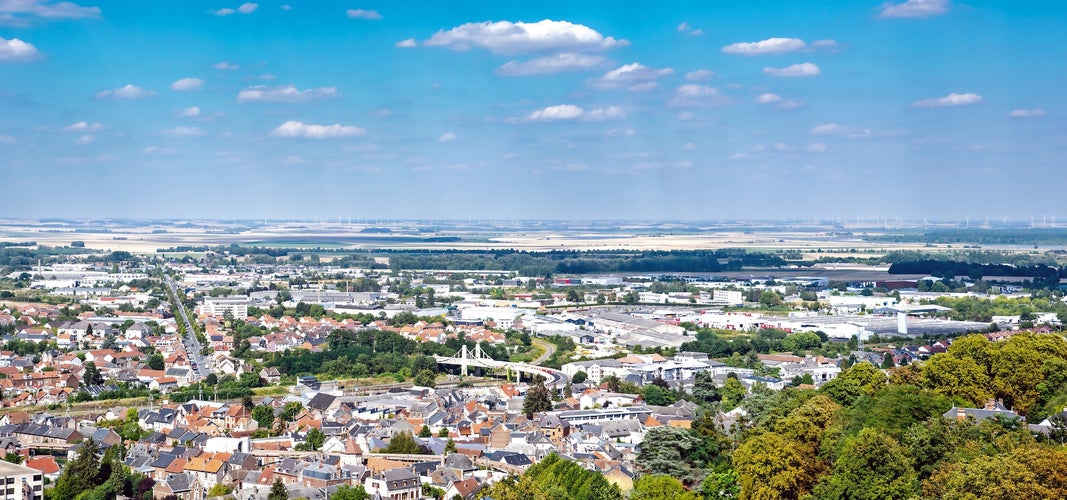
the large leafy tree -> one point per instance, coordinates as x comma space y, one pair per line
405, 443
872, 465
661, 487
770, 466
951, 376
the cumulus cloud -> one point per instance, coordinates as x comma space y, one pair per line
768, 46
634, 76
505, 37
127, 91
796, 70
700, 74
952, 99
85, 139
288, 93
698, 96
226, 66
914, 8
447, 137
557, 112
406, 44
839, 130
363, 14
566, 112
190, 112
245, 8
1027, 113
18, 9
183, 132
16, 50
83, 127
187, 84
559, 63
295, 129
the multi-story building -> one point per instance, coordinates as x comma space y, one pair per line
20, 483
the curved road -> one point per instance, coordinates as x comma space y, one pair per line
549, 348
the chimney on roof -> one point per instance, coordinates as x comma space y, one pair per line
961, 414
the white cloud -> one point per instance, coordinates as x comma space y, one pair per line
914, 8
127, 91
689, 147
688, 30
952, 99
636, 77
505, 37
83, 127
1027, 113
839, 130
700, 74
183, 132
789, 104
16, 50
447, 137
559, 63
226, 66
796, 70
737, 156
245, 8
609, 113
44, 8
186, 84
768, 98
85, 139
406, 44
287, 7
816, 147
829, 45
295, 129
190, 112
768, 46
557, 112
363, 14
565, 112
697, 96
288, 93
6, 139
382, 113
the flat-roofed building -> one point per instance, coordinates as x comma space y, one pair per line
18, 482
217, 307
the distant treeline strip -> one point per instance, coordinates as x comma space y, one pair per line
947, 268
1031, 236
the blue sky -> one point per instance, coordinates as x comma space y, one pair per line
572, 110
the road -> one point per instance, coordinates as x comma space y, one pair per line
201, 365
549, 348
